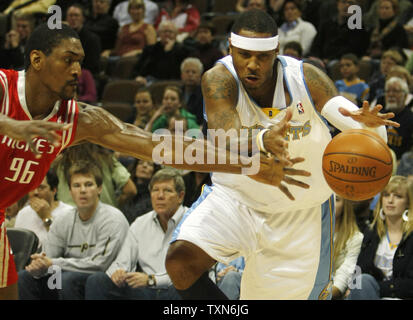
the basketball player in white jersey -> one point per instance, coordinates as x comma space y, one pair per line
287, 244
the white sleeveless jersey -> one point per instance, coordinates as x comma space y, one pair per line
308, 137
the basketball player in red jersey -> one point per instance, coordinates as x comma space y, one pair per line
38, 118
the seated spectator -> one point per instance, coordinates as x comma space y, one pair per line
295, 28
134, 36
399, 139
11, 211
403, 73
191, 71
142, 172
103, 24
386, 256
184, 15
387, 32
206, 47
139, 273
347, 244
228, 277
80, 242
162, 61
351, 85
172, 104
293, 49
334, 38
144, 106
12, 54
43, 208
272, 7
371, 17
121, 14
117, 187
75, 17
87, 87
377, 81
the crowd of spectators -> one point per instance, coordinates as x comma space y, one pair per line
367, 54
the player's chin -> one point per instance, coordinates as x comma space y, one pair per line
68, 93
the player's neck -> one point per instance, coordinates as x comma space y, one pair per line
40, 102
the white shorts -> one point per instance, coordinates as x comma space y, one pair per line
287, 255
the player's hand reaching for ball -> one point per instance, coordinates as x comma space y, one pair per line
371, 117
27, 130
273, 172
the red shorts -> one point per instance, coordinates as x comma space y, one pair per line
8, 274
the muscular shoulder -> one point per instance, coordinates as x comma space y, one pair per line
218, 83
321, 87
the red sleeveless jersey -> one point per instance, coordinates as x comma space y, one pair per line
20, 171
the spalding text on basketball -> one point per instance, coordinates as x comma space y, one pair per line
361, 171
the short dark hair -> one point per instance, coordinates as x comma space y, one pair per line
257, 21
52, 179
45, 39
86, 168
352, 57
294, 45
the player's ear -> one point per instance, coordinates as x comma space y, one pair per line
36, 59
229, 47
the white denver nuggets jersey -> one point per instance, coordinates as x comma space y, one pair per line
307, 138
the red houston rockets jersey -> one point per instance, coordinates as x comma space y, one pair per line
20, 171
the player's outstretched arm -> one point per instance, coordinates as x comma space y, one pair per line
99, 126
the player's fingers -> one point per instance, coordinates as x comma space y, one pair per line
297, 183
344, 112
296, 172
287, 192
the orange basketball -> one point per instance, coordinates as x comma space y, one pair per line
357, 164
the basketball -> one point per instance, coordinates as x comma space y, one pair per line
357, 164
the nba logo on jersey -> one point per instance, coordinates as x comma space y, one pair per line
300, 108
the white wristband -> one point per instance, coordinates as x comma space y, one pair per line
331, 113
260, 140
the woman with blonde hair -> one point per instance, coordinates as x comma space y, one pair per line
347, 244
386, 257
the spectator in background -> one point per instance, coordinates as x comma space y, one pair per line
351, 85
75, 17
103, 24
138, 273
386, 256
81, 241
184, 15
191, 71
387, 32
228, 277
399, 139
389, 59
206, 47
371, 17
12, 54
347, 244
294, 28
117, 187
334, 38
87, 87
121, 14
134, 36
162, 61
142, 172
293, 49
172, 104
272, 7
144, 106
43, 208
